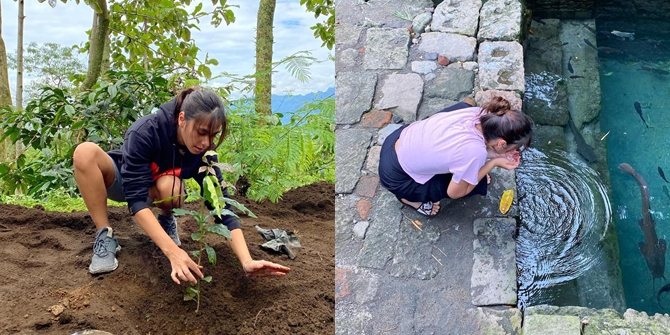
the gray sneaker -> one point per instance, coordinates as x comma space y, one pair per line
104, 252
169, 224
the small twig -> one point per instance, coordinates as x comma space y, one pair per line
443, 253
4, 227
256, 318
318, 254
437, 260
389, 329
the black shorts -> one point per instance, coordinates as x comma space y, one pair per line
398, 182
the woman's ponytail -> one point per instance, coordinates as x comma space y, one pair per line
181, 96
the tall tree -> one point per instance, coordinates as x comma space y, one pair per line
155, 34
19, 69
50, 64
6, 148
96, 50
264, 41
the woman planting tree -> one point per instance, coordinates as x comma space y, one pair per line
160, 150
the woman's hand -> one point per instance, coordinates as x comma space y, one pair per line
182, 265
507, 163
263, 268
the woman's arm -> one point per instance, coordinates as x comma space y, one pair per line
181, 263
463, 188
256, 268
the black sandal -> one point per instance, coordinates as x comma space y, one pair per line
425, 208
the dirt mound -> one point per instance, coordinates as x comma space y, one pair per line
44, 258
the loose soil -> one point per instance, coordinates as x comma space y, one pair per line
44, 258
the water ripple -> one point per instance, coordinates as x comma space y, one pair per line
565, 212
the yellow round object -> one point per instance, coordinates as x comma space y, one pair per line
506, 201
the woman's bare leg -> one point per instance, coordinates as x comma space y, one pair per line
94, 172
163, 189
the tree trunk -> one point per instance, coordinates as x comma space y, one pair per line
96, 50
264, 41
6, 148
19, 71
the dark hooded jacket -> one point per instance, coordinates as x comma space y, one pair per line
150, 148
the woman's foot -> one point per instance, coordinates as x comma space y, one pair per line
427, 208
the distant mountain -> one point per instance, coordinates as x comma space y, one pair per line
288, 104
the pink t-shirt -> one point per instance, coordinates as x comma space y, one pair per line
443, 143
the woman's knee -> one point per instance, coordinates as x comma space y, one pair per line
171, 190
85, 154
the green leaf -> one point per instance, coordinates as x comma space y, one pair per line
112, 91
213, 62
196, 236
69, 110
192, 290
206, 71
219, 229
211, 254
182, 211
197, 9
47, 153
239, 206
77, 124
211, 194
195, 253
207, 279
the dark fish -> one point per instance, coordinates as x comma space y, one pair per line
610, 50
570, 65
538, 20
566, 43
575, 77
638, 108
652, 248
590, 44
654, 70
582, 147
590, 29
665, 288
660, 171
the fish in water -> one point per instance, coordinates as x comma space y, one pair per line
583, 148
663, 289
654, 70
638, 108
590, 44
623, 34
610, 50
652, 248
566, 43
590, 29
570, 65
660, 171
575, 77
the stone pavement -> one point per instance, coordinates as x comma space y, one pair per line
458, 274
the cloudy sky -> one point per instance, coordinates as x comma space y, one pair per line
233, 46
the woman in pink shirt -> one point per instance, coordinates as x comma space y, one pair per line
450, 153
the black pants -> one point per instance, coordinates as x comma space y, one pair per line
398, 182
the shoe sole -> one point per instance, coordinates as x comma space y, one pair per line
106, 269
